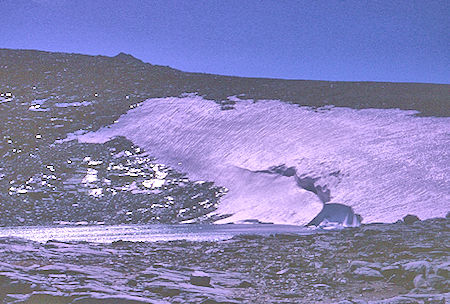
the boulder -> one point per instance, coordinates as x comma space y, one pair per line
358, 264
52, 269
410, 219
417, 267
200, 278
367, 274
334, 214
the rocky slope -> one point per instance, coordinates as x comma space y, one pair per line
377, 263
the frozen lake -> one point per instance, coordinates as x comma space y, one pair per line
148, 233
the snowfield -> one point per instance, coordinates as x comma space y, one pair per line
383, 163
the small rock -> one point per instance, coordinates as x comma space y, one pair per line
18, 287
443, 270
392, 270
218, 301
317, 265
11, 298
359, 301
4, 279
437, 282
164, 291
367, 289
412, 298
49, 297
321, 286
396, 300
289, 295
410, 219
244, 284
283, 271
109, 299
419, 281
200, 278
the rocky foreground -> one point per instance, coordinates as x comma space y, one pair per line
378, 263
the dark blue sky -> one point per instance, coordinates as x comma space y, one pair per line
331, 40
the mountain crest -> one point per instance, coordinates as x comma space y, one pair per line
127, 58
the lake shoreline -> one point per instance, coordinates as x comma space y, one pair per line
406, 263
149, 232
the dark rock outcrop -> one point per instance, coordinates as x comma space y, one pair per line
410, 219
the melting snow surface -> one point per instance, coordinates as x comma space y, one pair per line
72, 104
382, 163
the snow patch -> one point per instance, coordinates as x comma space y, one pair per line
73, 104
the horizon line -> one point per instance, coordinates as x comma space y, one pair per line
224, 75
